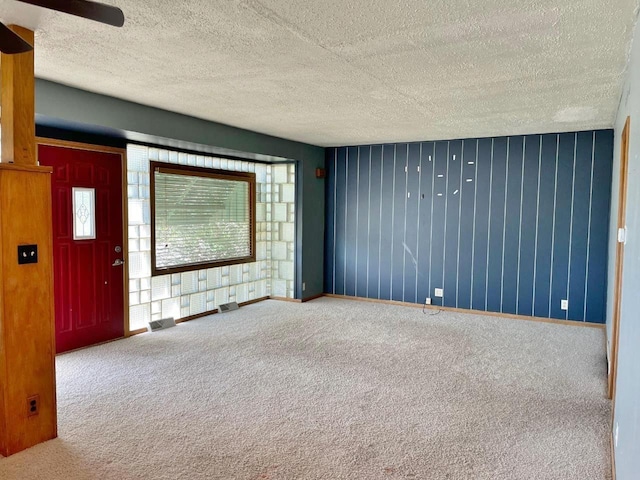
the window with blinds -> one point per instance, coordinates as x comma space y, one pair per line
201, 218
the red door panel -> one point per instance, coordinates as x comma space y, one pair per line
89, 297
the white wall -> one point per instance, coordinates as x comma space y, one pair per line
627, 405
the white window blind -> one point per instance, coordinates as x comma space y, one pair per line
201, 218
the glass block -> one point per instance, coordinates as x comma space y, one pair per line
225, 270
198, 303
175, 279
261, 212
84, 213
208, 162
156, 307
279, 250
182, 158
191, 160
144, 191
144, 179
145, 296
202, 274
184, 312
133, 191
176, 291
242, 293
139, 212
214, 278
279, 173
216, 162
163, 155
221, 296
189, 282
173, 157
245, 277
211, 306
137, 158
156, 316
145, 231
200, 161
134, 298
285, 270
184, 301
288, 193
279, 288
139, 264
132, 178
134, 285
154, 154
145, 284
235, 274
171, 308
224, 164
134, 231
161, 287
134, 245
287, 232
139, 316
145, 244
210, 296
232, 291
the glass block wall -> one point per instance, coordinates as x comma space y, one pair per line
181, 295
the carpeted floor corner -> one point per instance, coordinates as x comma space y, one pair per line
332, 389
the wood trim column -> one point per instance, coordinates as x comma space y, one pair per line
28, 413
18, 104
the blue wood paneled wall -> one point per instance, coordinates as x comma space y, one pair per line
505, 224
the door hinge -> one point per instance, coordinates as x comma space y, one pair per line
622, 235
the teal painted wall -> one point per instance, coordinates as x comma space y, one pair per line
86, 113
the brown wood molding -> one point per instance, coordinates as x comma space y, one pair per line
27, 340
473, 312
617, 292
314, 297
54, 142
17, 97
285, 299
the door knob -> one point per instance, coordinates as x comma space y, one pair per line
118, 262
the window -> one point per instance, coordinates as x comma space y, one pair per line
200, 218
84, 213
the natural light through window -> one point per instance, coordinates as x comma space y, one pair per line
201, 218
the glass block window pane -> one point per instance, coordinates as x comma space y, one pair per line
84, 213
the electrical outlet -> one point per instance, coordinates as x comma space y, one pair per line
615, 436
304, 286
427, 301
439, 293
33, 405
564, 305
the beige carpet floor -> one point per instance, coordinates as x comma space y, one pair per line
332, 389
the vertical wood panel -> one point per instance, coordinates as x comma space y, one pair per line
509, 224
362, 215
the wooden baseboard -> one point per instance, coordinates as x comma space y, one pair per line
473, 312
613, 458
314, 297
286, 299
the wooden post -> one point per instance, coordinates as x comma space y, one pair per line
27, 339
18, 104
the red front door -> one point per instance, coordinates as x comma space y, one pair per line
86, 191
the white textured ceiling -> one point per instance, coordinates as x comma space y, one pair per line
339, 72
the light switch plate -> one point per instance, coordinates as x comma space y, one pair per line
27, 254
564, 305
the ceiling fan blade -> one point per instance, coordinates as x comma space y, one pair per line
84, 8
11, 42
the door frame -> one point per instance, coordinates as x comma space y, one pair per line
617, 292
125, 218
